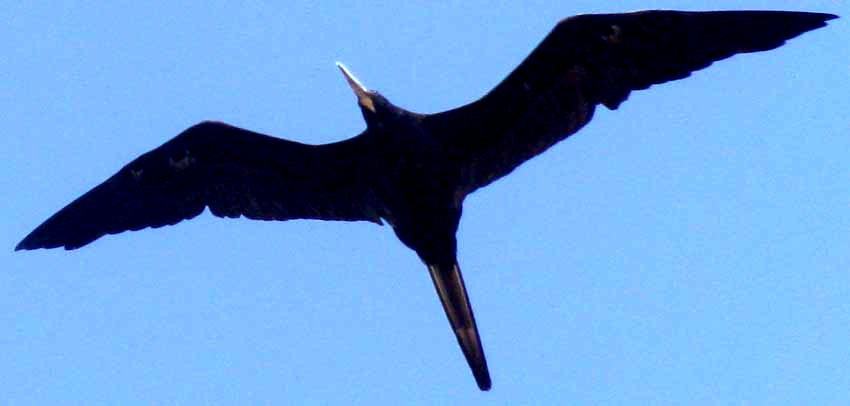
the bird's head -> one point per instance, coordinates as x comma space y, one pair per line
375, 107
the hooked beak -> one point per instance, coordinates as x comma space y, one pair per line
363, 97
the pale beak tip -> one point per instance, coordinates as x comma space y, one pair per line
362, 93
351, 79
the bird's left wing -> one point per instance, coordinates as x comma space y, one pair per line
597, 59
234, 172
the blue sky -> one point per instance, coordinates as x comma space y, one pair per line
688, 248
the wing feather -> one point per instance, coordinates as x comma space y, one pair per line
234, 172
597, 59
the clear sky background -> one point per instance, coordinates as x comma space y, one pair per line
692, 247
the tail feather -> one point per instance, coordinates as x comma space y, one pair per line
449, 284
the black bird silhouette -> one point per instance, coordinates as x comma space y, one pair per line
414, 170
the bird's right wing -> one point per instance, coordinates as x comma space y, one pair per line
597, 59
234, 172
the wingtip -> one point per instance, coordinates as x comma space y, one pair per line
813, 20
809, 21
821, 19
25, 244
38, 240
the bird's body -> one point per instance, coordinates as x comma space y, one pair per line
414, 170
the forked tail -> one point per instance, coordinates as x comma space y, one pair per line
449, 284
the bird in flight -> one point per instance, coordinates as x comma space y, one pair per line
411, 170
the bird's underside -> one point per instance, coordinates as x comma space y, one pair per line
414, 170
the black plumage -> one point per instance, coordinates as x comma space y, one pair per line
414, 170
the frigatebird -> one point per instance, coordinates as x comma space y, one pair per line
415, 170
